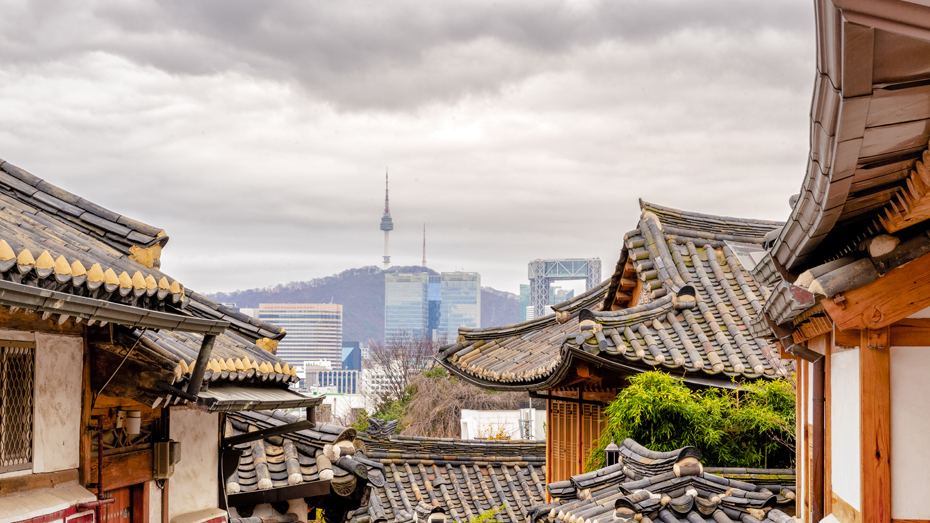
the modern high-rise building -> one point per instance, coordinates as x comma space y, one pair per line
314, 331
461, 303
434, 297
524, 302
406, 305
351, 355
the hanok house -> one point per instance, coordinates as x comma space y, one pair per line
850, 270
679, 300
443, 479
113, 376
283, 476
640, 484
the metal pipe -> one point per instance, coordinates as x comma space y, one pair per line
817, 496
95, 504
200, 367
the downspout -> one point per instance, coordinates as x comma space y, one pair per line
817, 395
100, 499
200, 367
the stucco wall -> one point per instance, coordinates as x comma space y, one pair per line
194, 485
844, 419
56, 440
155, 503
485, 423
910, 426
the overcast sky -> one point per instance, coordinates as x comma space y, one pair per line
257, 133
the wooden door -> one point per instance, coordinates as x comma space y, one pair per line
120, 511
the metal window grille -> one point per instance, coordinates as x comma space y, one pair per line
17, 386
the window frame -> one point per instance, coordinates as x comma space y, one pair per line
28, 465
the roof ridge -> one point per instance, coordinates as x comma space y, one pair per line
663, 208
118, 231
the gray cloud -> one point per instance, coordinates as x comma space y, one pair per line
257, 134
360, 55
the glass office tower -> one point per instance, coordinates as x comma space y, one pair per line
461, 303
406, 305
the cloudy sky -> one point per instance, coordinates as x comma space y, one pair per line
257, 133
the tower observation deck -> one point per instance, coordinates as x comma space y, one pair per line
387, 224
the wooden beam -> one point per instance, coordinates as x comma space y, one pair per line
36, 481
31, 321
905, 333
893, 297
582, 370
875, 425
123, 470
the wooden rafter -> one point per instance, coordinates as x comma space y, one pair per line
911, 204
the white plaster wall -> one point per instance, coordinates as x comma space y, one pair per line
844, 419
57, 436
194, 485
910, 426
155, 503
480, 423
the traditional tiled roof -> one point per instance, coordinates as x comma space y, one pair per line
673, 254
667, 486
463, 478
306, 456
65, 256
53, 239
234, 358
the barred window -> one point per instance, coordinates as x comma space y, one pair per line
17, 388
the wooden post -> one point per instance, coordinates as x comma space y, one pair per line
875, 424
578, 468
549, 442
311, 415
86, 400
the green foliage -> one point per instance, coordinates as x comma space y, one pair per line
389, 410
749, 427
490, 516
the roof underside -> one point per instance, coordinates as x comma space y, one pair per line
870, 124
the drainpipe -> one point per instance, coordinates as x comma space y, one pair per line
200, 367
818, 458
101, 501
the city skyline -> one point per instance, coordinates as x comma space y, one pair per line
494, 132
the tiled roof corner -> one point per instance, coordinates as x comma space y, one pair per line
705, 335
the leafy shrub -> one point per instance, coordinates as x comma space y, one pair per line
749, 427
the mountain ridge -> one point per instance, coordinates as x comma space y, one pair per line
360, 291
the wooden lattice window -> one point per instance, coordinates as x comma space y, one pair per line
17, 401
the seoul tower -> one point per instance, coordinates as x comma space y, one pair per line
387, 225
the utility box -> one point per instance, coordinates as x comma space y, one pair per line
167, 454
